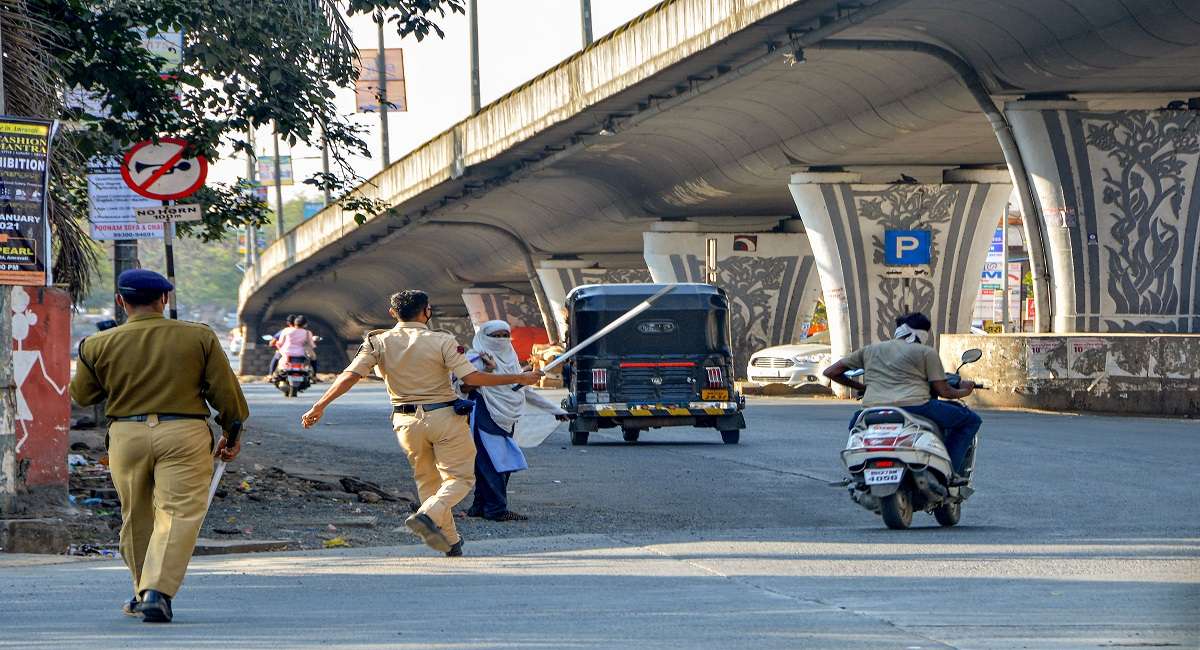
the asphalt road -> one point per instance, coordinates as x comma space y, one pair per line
1083, 534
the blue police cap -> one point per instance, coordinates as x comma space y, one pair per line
143, 280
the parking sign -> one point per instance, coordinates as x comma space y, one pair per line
907, 247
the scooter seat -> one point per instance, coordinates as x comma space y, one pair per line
925, 423
883, 416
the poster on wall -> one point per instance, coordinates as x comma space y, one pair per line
24, 183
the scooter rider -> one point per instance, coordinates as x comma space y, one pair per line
900, 373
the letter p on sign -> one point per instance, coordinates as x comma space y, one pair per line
907, 247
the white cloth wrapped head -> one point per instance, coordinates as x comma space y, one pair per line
906, 333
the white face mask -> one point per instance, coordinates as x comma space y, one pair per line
906, 333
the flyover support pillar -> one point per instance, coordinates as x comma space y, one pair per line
770, 278
519, 310
256, 355
942, 229
561, 276
1117, 190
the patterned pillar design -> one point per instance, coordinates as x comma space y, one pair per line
488, 303
770, 279
561, 277
846, 224
1122, 218
461, 327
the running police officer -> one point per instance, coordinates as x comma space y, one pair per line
157, 376
415, 363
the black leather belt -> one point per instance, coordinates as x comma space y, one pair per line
161, 417
409, 409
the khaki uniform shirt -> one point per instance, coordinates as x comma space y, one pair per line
897, 373
151, 365
414, 361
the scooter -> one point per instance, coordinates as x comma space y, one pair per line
898, 463
293, 375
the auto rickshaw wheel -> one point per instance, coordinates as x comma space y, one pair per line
579, 438
731, 437
630, 434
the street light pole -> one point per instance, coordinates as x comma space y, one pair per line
278, 188
252, 178
325, 162
473, 16
381, 64
585, 17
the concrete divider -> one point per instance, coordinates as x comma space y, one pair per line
1128, 374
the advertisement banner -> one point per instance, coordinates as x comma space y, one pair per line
24, 183
366, 89
266, 170
111, 204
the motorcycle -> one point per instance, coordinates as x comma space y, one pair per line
898, 463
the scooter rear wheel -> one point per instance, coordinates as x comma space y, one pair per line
896, 509
948, 514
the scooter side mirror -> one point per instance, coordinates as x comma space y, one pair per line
971, 356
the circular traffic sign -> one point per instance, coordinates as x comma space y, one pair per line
158, 170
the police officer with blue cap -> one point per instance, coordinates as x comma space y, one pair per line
159, 378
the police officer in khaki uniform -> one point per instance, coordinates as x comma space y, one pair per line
159, 377
415, 363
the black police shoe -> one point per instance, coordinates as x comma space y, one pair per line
455, 549
422, 526
155, 607
131, 608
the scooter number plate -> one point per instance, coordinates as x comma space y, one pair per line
883, 476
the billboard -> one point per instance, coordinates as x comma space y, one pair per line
366, 89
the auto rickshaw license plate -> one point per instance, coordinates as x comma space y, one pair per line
714, 394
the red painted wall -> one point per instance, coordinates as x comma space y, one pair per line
523, 339
41, 326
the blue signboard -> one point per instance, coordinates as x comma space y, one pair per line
311, 208
907, 247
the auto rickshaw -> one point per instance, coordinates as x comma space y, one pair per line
670, 366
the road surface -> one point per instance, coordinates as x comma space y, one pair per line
1083, 534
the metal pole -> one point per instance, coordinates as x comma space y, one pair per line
252, 178
381, 63
1004, 264
278, 190
585, 16
473, 15
325, 163
169, 246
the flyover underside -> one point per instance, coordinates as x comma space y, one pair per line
720, 133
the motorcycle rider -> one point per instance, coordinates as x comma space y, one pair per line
297, 341
900, 373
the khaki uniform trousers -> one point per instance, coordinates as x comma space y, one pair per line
162, 471
442, 455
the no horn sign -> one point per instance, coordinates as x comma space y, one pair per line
158, 170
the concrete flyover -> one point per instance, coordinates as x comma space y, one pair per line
732, 114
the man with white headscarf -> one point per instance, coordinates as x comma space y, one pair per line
900, 372
497, 410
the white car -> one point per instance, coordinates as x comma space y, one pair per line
795, 364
